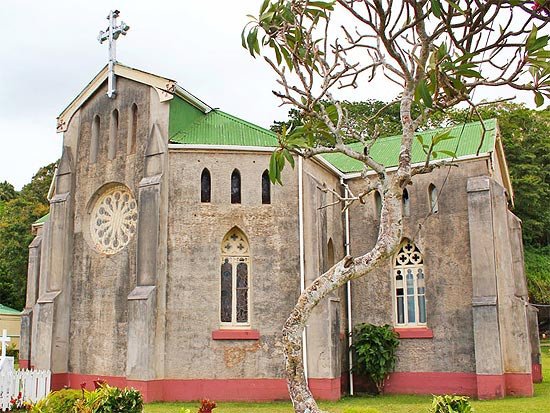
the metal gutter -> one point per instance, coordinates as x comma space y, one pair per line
348, 308
203, 147
302, 253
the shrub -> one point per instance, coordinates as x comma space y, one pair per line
61, 401
105, 399
374, 348
451, 404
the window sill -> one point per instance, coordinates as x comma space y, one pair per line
235, 335
414, 332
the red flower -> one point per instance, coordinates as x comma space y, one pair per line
83, 385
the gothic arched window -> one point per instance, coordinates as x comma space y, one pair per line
132, 129
410, 286
406, 203
235, 279
378, 203
94, 143
113, 132
434, 198
205, 185
266, 188
236, 187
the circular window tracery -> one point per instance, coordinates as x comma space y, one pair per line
113, 220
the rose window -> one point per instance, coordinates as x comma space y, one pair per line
114, 219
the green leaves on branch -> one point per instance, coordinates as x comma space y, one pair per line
445, 77
282, 23
539, 66
428, 148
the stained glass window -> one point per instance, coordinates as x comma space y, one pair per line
235, 279
410, 287
205, 185
236, 187
266, 188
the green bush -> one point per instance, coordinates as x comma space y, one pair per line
61, 401
374, 350
451, 404
105, 399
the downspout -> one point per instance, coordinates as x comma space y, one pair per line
302, 254
348, 309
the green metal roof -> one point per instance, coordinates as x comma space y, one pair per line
8, 311
215, 128
465, 140
42, 220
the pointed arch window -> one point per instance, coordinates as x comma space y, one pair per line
205, 185
113, 132
406, 203
94, 143
433, 196
410, 286
378, 203
236, 187
132, 129
235, 280
266, 188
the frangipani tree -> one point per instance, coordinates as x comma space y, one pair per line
436, 52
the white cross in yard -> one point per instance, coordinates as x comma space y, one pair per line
4, 340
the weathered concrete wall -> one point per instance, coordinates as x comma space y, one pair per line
324, 246
101, 283
195, 235
443, 239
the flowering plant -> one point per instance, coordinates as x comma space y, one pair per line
17, 404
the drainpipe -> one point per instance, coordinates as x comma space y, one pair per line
348, 309
302, 253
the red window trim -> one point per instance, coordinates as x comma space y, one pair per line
414, 332
235, 335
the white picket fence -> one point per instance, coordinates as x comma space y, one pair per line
32, 384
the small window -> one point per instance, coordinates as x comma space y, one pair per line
378, 203
235, 280
94, 143
205, 185
113, 132
433, 196
132, 129
406, 204
266, 188
410, 287
236, 187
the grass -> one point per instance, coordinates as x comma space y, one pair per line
540, 403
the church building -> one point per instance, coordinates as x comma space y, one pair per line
169, 262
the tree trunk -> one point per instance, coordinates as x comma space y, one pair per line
349, 268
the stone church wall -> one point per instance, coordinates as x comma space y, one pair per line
101, 283
443, 239
195, 237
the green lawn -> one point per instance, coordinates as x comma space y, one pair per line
540, 403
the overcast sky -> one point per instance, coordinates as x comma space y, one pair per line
49, 52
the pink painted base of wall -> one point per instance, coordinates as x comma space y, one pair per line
468, 384
24, 364
196, 389
537, 373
